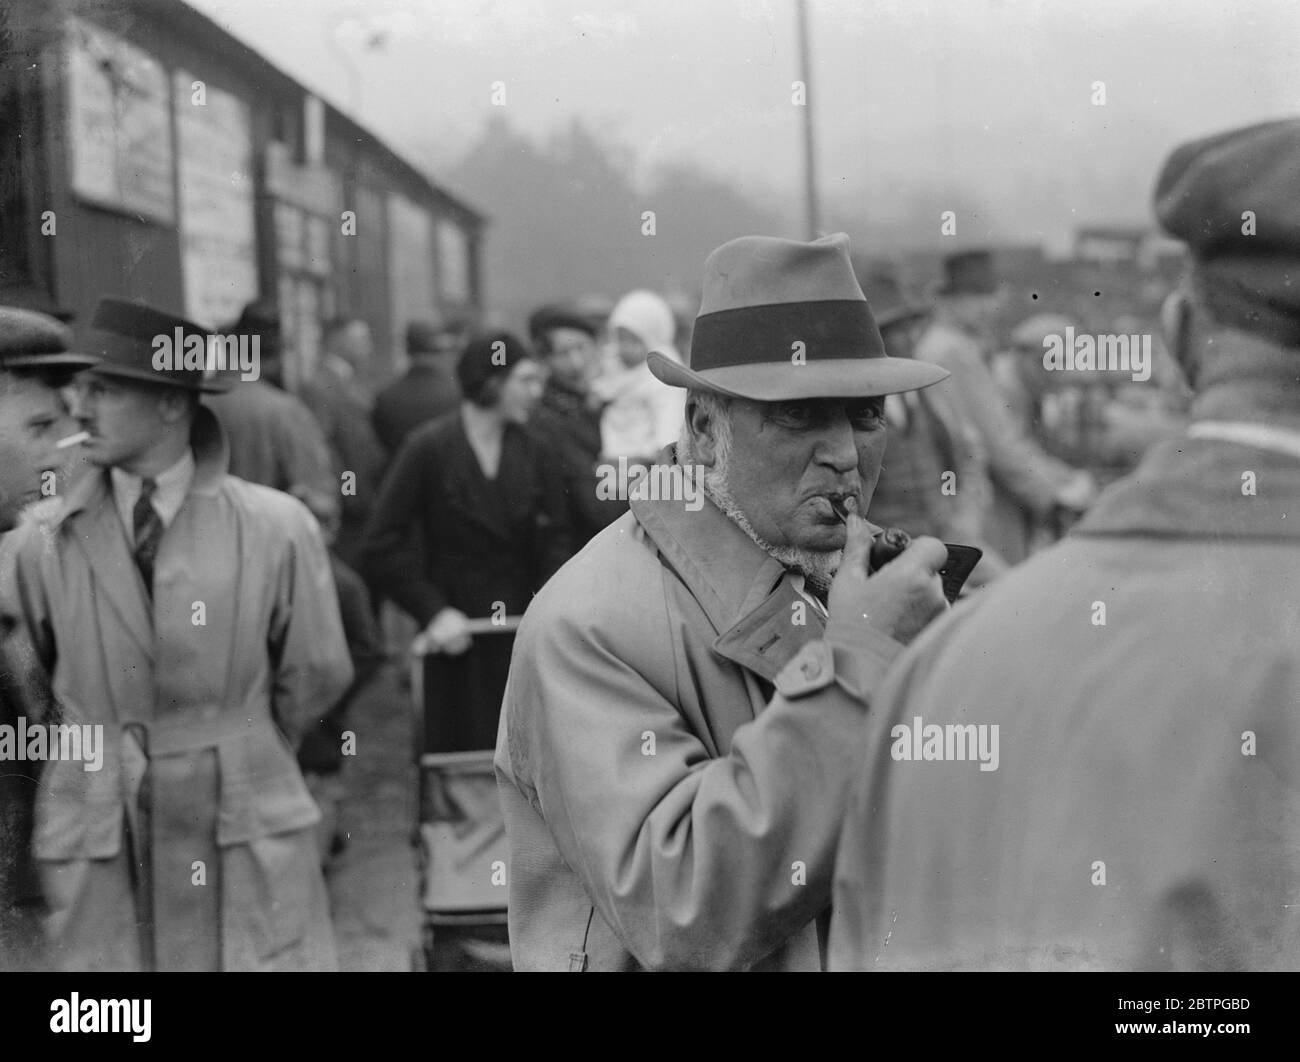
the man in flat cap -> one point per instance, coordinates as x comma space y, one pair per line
36, 359
685, 699
189, 617
1135, 685
568, 416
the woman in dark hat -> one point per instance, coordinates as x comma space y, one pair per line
471, 520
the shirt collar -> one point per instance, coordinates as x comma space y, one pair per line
797, 579
173, 484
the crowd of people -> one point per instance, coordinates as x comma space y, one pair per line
679, 725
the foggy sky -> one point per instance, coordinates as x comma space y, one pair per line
983, 102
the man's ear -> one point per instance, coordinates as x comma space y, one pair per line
173, 404
700, 422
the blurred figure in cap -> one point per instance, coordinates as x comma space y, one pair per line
273, 438
1140, 813
428, 388
36, 359
924, 441
339, 396
191, 619
958, 338
568, 416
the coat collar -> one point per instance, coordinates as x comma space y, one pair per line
746, 594
99, 533
1192, 488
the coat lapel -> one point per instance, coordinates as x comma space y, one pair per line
93, 524
748, 596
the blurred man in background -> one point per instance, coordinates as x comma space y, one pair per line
427, 389
339, 397
273, 438
958, 339
924, 460
35, 361
568, 416
1141, 812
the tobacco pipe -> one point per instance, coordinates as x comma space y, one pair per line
893, 540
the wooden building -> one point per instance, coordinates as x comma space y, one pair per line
147, 153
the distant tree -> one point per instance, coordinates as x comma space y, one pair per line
566, 219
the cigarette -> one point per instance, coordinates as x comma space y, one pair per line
72, 440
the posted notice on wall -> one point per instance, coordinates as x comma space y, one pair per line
119, 126
217, 221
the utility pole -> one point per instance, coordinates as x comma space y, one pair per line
809, 150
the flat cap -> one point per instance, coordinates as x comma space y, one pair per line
36, 340
1234, 198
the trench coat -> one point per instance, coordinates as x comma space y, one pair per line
1145, 809
677, 739
222, 694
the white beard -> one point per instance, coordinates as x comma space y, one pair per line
818, 567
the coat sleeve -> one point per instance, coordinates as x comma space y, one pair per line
1015, 461
306, 453
391, 558
696, 861
309, 653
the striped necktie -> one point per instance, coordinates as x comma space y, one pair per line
148, 532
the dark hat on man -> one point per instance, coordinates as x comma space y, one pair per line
261, 315
969, 273
782, 320
546, 319
889, 306
483, 359
126, 335
31, 340
1248, 265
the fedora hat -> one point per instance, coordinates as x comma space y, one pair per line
32, 340
125, 336
969, 273
780, 320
